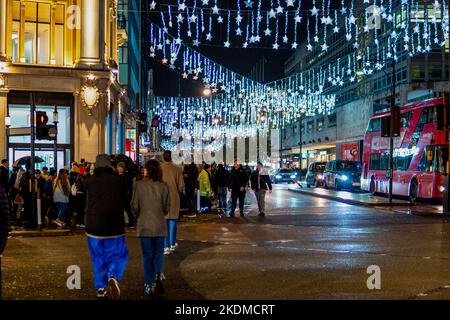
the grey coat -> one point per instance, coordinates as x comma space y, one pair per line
151, 203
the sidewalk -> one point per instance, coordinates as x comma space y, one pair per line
357, 199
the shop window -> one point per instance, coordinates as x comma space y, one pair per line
374, 125
435, 72
417, 72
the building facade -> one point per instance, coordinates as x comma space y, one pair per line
64, 53
340, 135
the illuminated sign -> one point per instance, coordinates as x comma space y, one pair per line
406, 152
131, 133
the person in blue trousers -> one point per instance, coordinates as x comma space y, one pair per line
105, 227
151, 204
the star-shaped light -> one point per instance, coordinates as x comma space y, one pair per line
215, 9
180, 18
259, 17
238, 31
249, 4
280, 9
205, 2
244, 45
289, 3
257, 38
164, 61
238, 19
275, 46
185, 75
171, 66
153, 5
272, 14
309, 47
209, 36
178, 40
336, 29
316, 38
159, 46
193, 18
189, 33
219, 19
294, 45
352, 19
348, 36
298, 19
285, 39
152, 54
226, 44
324, 47
314, 11
267, 32
196, 42
182, 7
366, 28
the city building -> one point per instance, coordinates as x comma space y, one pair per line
66, 54
129, 23
340, 135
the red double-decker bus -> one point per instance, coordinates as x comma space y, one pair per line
420, 152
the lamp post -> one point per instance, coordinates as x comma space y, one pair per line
55, 140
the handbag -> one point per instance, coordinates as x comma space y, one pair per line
74, 190
19, 200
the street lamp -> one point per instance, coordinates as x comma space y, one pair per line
55, 141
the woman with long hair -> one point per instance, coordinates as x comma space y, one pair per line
151, 204
61, 192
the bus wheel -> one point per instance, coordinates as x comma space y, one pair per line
372, 185
413, 191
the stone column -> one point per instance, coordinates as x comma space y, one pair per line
90, 130
3, 25
3, 113
92, 34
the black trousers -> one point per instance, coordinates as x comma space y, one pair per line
235, 195
191, 199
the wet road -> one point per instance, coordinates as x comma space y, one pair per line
305, 248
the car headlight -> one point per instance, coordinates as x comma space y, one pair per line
293, 176
320, 177
344, 178
278, 176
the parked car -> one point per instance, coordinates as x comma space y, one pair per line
284, 175
314, 177
342, 174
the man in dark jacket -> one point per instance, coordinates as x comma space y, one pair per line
128, 180
260, 182
4, 175
190, 174
4, 226
237, 186
105, 227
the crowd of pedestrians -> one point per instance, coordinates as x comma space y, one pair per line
98, 196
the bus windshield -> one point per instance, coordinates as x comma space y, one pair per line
434, 159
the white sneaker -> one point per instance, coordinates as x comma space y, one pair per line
59, 223
167, 251
174, 247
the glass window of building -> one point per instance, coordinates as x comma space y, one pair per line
38, 33
320, 124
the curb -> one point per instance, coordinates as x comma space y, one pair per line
350, 201
44, 233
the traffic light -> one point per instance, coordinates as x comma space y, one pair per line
142, 118
386, 124
41, 126
43, 130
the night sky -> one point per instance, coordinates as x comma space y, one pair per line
237, 59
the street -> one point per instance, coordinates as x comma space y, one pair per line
305, 248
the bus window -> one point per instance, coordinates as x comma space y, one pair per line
374, 125
375, 161
402, 163
441, 158
405, 119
